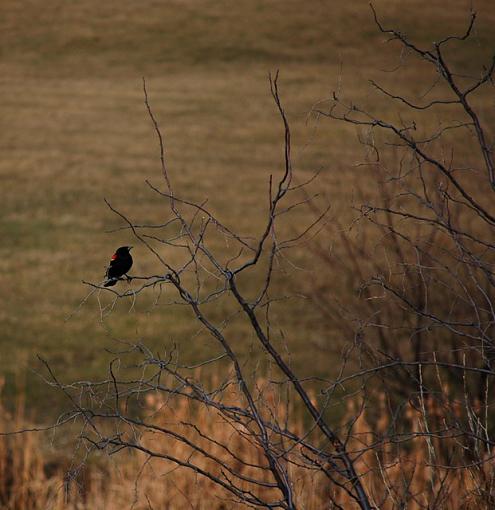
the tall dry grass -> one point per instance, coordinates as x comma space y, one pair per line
416, 474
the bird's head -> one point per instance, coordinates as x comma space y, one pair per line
124, 250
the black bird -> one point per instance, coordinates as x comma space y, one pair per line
120, 263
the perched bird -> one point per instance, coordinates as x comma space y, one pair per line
120, 263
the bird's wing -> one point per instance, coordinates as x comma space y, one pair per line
112, 263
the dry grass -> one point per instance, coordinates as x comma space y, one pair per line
396, 476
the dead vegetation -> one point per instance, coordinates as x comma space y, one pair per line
33, 476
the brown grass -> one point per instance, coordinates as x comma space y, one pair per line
395, 476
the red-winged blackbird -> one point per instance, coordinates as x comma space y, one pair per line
120, 263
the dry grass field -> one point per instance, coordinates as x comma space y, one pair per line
75, 131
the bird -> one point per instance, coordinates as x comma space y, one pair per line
120, 263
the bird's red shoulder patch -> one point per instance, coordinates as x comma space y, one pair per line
114, 257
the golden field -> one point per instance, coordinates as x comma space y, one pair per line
75, 133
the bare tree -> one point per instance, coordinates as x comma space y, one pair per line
265, 426
436, 283
424, 262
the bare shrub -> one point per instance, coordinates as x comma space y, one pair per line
413, 384
421, 255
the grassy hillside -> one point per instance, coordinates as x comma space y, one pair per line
75, 131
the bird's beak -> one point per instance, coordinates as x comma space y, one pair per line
129, 248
